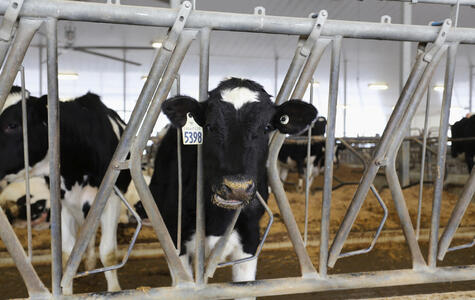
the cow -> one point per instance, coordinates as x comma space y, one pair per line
89, 135
237, 119
294, 156
464, 128
13, 201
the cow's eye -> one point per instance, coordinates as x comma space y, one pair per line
12, 127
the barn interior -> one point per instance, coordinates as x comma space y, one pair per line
114, 60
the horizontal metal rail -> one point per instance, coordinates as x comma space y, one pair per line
164, 17
296, 285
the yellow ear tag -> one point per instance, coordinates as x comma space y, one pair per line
192, 132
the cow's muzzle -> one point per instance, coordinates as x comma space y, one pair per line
234, 192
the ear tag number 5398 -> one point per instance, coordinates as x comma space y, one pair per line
192, 133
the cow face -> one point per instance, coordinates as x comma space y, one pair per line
237, 119
11, 135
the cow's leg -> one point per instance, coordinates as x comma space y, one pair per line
244, 271
68, 238
185, 259
284, 172
108, 244
90, 262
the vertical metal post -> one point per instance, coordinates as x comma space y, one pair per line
276, 74
307, 173
26, 160
40, 70
124, 80
470, 99
345, 95
405, 70
441, 153
423, 161
329, 152
200, 211
54, 154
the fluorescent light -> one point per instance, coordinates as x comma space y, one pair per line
316, 83
68, 75
156, 44
144, 77
378, 86
439, 88
343, 106
457, 108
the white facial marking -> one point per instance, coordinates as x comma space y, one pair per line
239, 96
14, 98
41, 168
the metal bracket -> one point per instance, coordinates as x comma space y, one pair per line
315, 34
464, 246
122, 165
9, 19
113, 2
132, 242
259, 11
386, 19
178, 26
439, 41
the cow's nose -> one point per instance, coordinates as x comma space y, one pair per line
235, 191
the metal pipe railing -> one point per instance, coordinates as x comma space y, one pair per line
54, 154
329, 153
441, 154
200, 234
165, 17
158, 67
25, 32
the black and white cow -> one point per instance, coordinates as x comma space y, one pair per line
294, 156
464, 128
237, 119
89, 136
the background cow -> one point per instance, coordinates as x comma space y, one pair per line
465, 128
237, 119
89, 136
294, 156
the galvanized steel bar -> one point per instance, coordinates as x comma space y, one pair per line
307, 173
423, 161
441, 153
26, 161
165, 17
179, 274
54, 154
310, 66
216, 254
7, 27
24, 34
445, 2
329, 153
377, 159
418, 261
456, 216
14, 248
199, 259
160, 62
296, 285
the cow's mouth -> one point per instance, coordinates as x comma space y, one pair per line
228, 203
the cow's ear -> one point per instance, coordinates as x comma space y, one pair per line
294, 116
178, 107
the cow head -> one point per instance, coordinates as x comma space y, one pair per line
11, 136
457, 131
237, 118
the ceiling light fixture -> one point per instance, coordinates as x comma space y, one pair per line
157, 45
315, 83
439, 88
378, 86
68, 76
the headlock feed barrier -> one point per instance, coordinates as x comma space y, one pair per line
21, 21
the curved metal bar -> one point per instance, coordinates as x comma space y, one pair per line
132, 241
464, 246
378, 231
